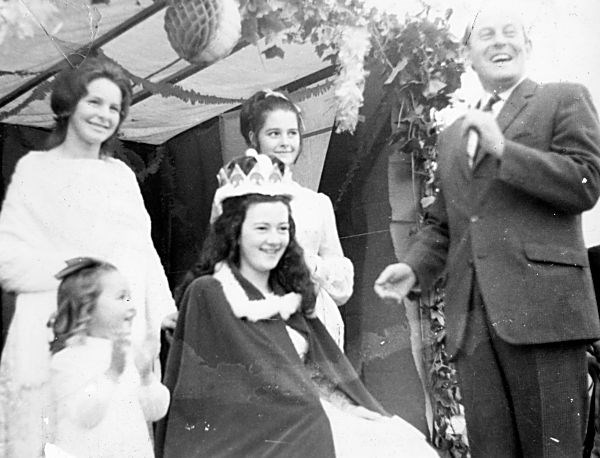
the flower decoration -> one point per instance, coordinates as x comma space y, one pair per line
461, 100
353, 44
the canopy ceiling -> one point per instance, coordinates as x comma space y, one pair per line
131, 32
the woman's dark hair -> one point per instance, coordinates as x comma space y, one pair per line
77, 296
254, 111
222, 243
70, 86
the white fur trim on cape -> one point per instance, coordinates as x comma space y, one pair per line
262, 309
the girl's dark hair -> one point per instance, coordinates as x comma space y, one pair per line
254, 111
77, 296
70, 86
222, 243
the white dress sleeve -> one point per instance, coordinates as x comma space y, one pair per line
27, 264
329, 267
154, 399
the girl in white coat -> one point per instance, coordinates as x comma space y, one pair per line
104, 390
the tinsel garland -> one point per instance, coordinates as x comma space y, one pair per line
39, 93
309, 92
171, 90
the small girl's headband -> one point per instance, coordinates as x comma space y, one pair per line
272, 93
77, 264
281, 95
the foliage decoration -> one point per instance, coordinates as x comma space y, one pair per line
306, 93
136, 163
326, 24
448, 414
423, 70
171, 90
186, 95
353, 44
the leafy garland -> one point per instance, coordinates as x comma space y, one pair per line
338, 30
423, 71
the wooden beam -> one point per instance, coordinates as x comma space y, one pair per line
101, 41
309, 79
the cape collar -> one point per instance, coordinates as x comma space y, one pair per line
246, 301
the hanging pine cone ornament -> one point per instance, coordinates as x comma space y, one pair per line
203, 31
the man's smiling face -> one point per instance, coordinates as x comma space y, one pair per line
498, 49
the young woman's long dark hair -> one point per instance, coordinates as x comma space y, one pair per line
222, 244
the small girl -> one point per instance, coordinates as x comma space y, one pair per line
105, 392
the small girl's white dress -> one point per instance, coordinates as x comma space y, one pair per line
95, 416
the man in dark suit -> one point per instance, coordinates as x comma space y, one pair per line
506, 227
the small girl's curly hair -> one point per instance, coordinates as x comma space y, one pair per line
77, 296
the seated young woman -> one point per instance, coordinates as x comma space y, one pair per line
252, 372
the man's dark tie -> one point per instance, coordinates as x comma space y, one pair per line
487, 107
491, 102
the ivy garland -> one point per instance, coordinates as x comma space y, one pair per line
423, 71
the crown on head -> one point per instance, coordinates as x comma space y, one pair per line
264, 178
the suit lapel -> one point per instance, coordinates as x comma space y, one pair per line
515, 103
518, 100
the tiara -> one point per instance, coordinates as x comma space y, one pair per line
264, 178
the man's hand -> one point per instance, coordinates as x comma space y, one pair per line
395, 282
491, 139
593, 358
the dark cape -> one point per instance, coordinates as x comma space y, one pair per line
239, 389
